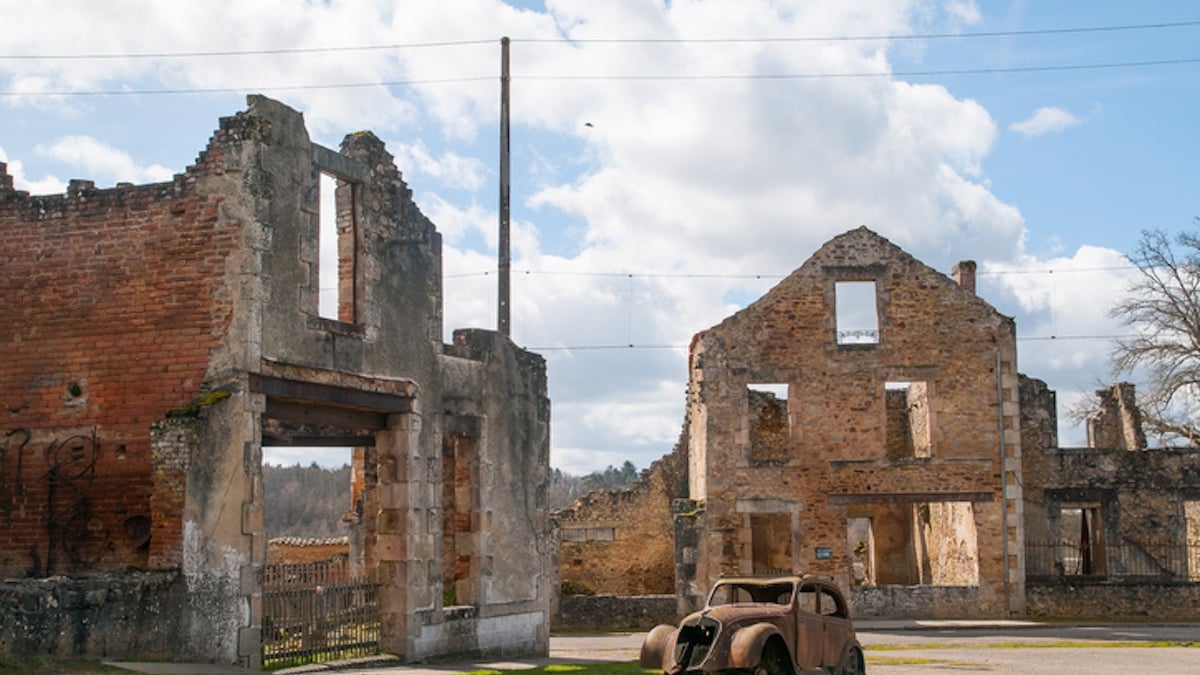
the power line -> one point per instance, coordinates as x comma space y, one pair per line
867, 38
626, 77
238, 90
650, 40
757, 276
878, 73
638, 347
242, 52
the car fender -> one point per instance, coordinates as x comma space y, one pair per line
747, 646
658, 648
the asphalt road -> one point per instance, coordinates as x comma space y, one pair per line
1124, 648
928, 647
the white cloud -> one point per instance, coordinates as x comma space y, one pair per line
450, 168
965, 11
1065, 334
678, 194
102, 161
1046, 121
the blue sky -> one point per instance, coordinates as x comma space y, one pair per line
670, 160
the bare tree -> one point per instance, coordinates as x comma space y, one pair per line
1162, 307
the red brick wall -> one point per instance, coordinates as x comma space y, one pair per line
110, 301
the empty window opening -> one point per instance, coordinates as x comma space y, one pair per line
771, 543
337, 249
857, 313
460, 520
1081, 541
769, 424
860, 544
908, 429
1191, 519
920, 544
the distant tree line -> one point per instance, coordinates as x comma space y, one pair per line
305, 501
310, 501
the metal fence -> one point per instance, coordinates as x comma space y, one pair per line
1129, 561
315, 613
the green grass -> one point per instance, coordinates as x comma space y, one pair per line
627, 668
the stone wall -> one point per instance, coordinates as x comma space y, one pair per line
914, 602
116, 615
621, 541
614, 613
951, 437
1109, 601
164, 333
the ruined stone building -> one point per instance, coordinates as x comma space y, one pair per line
157, 337
864, 420
622, 541
1112, 529
863, 409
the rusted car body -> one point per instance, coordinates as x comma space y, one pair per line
780, 625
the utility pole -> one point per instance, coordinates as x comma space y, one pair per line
504, 305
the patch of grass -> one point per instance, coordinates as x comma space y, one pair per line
626, 668
912, 661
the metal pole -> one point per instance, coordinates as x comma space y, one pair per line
503, 305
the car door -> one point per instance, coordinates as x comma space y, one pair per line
809, 631
836, 627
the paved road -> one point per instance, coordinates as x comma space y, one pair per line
908, 648
1126, 648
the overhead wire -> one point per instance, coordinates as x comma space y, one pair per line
1162, 25
658, 77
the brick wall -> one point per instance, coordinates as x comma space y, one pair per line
111, 301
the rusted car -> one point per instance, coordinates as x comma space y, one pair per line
781, 625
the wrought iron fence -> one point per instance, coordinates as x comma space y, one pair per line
315, 613
1157, 561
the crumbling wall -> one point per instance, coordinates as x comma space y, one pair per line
131, 614
161, 328
951, 352
621, 541
113, 301
1142, 496
1118, 423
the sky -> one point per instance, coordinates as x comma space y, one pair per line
671, 161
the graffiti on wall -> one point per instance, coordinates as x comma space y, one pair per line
53, 478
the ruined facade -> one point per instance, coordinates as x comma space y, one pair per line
621, 541
864, 410
158, 336
864, 420
1112, 529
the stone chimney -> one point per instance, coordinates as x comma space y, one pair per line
963, 274
6, 181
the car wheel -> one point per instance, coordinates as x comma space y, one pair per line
852, 663
774, 661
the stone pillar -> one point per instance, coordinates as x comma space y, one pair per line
391, 547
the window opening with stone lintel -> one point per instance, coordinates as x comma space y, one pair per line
768, 422
337, 244
914, 543
908, 428
856, 312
